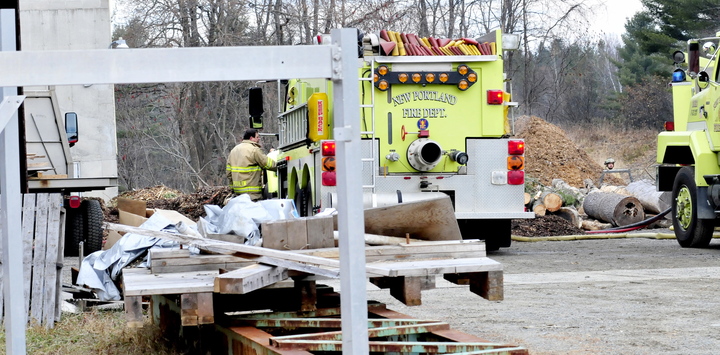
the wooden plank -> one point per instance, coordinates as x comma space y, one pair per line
133, 311
320, 232
436, 267
249, 278
199, 267
274, 234
290, 260
140, 282
297, 234
198, 260
421, 250
189, 309
61, 258
162, 253
205, 311
51, 260
40, 241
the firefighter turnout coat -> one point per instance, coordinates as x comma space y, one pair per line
244, 169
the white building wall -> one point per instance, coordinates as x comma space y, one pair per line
78, 25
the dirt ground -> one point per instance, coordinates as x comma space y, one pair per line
612, 296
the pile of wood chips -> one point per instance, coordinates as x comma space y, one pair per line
550, 154
190, 205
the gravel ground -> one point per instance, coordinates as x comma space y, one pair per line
610, 296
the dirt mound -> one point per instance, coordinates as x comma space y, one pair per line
550, 154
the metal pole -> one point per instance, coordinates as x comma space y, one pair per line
351, 225
10, 207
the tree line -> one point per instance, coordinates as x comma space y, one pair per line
179, 135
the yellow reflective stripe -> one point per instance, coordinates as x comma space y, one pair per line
242, 169
240, 190
269, 163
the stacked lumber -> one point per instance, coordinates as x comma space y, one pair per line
237, 269
407, 44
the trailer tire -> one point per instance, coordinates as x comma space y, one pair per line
94, 226
690, 231
74, 231
495, 232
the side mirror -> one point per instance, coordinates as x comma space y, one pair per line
678, 57
709, 48
703, 80
255, 107
71, 127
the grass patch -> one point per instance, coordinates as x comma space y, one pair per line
94, 332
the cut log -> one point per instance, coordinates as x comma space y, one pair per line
528, 199
593, 225
620, 210
552, 201
615, 189
569, 214
539, 208
652, 200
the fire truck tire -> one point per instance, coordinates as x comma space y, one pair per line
496, 232
303, 200
690, 231
74, 223
93, 227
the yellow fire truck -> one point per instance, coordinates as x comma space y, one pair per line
434, 118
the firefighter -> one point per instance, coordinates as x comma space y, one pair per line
245, 166
609, 163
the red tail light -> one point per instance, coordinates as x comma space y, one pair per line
74, 201
516, 177
328, 148
669, 126
516, 147
329, 178
495, 97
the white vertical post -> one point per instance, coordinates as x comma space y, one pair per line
10, 207
351, 221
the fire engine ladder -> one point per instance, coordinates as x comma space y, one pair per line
369, 131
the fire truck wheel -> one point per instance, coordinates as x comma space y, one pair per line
498, 231
690, 231
74, 223
303, 200
93, 227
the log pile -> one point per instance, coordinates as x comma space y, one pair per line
592, 208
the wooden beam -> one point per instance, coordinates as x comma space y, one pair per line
249, 278
133, 311
407, 289
307, 290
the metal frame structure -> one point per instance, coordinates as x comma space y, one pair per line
106, 66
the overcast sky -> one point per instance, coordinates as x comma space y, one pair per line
612, 16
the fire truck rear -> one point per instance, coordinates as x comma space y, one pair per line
434, 119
